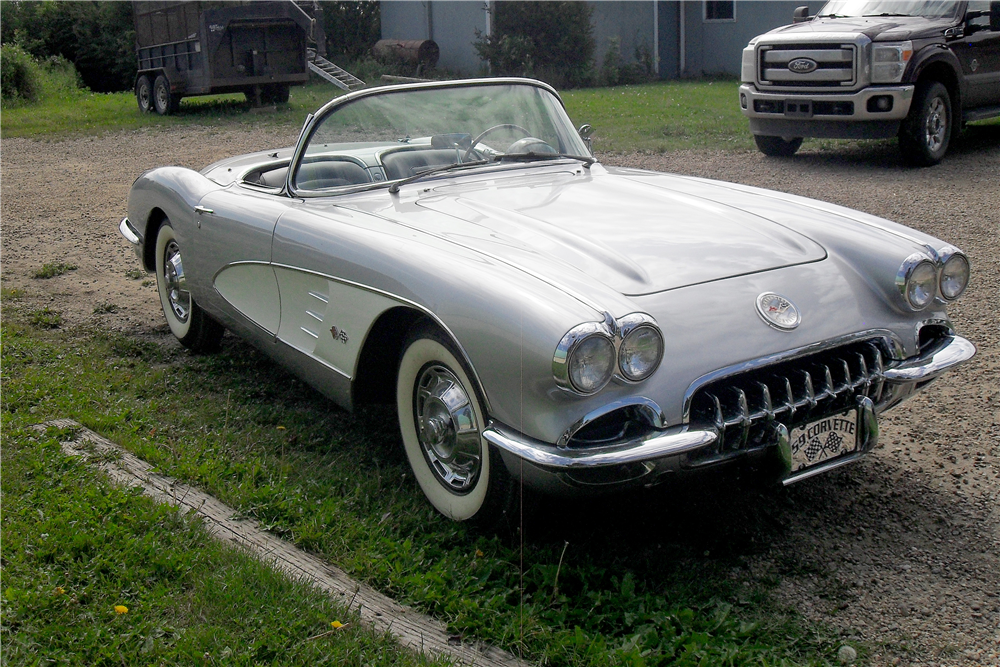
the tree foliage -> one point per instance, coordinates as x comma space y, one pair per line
351, 28
97, 37
549, 40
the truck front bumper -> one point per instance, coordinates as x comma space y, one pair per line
871, 113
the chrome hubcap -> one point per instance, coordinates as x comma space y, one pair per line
175, 282
936, 125
447, 428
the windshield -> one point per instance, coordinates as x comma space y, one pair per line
937, 9
404, 133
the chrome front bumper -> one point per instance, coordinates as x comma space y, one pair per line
131, 235
642, 461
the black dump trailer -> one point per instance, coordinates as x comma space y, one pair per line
191, 48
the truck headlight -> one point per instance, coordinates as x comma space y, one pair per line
889, 61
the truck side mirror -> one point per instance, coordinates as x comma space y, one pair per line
995, 16
801, 14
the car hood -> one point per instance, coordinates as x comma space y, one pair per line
635, 237
876, 28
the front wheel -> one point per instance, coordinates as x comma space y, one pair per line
777, 146
926, 132
188, 322
144, 94
441, 422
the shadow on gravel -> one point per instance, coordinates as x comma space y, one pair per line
877, 156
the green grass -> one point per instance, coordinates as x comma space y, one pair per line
662, 117
73, 113
53, 269
95, 574
578, 583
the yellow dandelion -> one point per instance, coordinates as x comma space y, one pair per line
479, 554
281, 428
60, 590
336, 625
121, 609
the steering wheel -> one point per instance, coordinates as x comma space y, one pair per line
501, 126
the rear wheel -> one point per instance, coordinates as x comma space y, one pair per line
164, 101
144, 94
777, 146
926, 132
441, 421
188, 322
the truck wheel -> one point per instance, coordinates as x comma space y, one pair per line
144, 94
777, 146
924, 135
275, 93
164, 101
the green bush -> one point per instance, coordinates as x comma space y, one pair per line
553, 41
20, 75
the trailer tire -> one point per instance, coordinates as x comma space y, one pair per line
274, 93
144, 94
164, 101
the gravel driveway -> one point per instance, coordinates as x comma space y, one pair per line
903, 549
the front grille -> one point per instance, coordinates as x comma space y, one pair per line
835, 65
746, 407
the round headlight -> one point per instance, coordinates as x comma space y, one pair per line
591, 363
640, 353
954, 276
921, 285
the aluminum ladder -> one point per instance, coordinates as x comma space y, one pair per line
335, 75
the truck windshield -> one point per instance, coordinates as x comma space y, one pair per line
935, 9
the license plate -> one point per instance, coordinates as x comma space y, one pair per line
824, 439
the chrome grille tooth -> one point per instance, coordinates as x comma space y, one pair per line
863, 373
720, 420
767, 404
741, 397
790, 395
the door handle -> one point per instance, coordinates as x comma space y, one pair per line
202, 209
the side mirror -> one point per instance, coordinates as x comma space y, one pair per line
801, 14
585, 133
995, 16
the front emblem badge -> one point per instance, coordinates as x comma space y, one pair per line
803, 65
778, 311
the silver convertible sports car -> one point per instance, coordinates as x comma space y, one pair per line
539, 318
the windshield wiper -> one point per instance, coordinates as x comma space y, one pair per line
832, 16
394, 188
884, 14
586, 159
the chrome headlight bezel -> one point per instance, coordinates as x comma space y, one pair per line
953, 257
615, 333
889, 61
564, 356
908, 273
635, 325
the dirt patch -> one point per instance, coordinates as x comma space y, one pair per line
901, 551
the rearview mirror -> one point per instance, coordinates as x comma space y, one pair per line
585, 132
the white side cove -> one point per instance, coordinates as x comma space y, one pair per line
325, 319
253, 290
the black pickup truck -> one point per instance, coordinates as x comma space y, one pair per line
872, 69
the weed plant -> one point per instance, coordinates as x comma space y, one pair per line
649, 579
53, 269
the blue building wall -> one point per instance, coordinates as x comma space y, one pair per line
709, 47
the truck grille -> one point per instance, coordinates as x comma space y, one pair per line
746, 407
834, 65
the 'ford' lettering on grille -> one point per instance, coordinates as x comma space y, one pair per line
802, 65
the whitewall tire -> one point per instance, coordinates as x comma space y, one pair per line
441, 422
187, 321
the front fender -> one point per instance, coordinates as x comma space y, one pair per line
170, 192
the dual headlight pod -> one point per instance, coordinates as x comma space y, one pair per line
921, 279
590, 354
